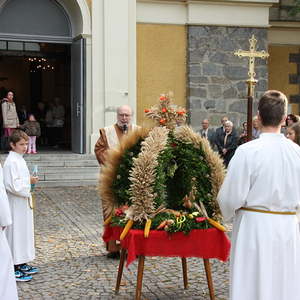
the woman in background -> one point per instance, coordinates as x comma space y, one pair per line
293, 133
9, 114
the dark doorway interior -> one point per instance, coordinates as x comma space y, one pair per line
39, 73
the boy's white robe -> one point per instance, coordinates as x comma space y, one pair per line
265, 254
8, 288
20, 234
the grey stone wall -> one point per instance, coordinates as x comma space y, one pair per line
216, 77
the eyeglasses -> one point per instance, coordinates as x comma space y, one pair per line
124, 115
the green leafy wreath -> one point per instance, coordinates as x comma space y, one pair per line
168, 176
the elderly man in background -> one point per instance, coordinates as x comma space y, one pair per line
256, 128
207, 132
230, 142
219, 135
110, 137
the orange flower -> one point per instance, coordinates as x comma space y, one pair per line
180, 112
146, 110
162, 121
164, 110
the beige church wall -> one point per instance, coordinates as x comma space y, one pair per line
161, 64
279, 70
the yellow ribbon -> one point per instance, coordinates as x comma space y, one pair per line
180, 220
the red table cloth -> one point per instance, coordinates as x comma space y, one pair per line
203, 243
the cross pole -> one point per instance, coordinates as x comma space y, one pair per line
251, 81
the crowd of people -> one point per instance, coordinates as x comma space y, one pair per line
45, 121
265, 252
226, 138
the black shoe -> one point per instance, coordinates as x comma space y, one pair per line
113, 255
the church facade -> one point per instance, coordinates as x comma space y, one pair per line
105, 53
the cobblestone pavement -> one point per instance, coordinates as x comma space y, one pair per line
72, 262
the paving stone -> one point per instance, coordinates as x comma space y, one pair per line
72, 262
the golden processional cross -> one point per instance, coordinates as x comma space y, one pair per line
251, 81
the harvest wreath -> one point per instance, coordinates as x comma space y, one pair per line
166, 178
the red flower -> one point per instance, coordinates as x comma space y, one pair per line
162, 121
162, 98
146, 110
124, 207
164, 110
200, 219
118, 212
180, 112
174, 145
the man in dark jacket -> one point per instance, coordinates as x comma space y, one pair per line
207, 132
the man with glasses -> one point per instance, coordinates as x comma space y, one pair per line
110, 137
207, 132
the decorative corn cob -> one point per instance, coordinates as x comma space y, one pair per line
210, 221
108, 220
126, 229
147, 228
216, 224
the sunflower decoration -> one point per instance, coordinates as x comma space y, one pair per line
166, 178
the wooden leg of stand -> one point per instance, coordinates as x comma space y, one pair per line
209, 279
139, 282
120, 271
184, 272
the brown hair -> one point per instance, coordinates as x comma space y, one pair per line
292, 117
272, 106
296, 128
17, 135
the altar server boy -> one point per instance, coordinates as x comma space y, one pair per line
8, 288
265, 251
17, 180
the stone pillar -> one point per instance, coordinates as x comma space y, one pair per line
216, 78
114, 61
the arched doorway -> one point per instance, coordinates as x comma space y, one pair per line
42, 57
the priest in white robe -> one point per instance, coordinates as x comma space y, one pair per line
261, 192
110, 137
8, 288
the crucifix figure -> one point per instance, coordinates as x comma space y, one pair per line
251, 81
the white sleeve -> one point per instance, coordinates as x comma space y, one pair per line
14, 182
5, 215
235, 188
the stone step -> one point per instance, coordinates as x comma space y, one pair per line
66, 183
64, 163
55, 156
63, 168
66, 170
59, 157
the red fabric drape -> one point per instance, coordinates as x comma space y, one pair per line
203, 243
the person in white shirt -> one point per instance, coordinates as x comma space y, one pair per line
265, 253
8, 287
17, 181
